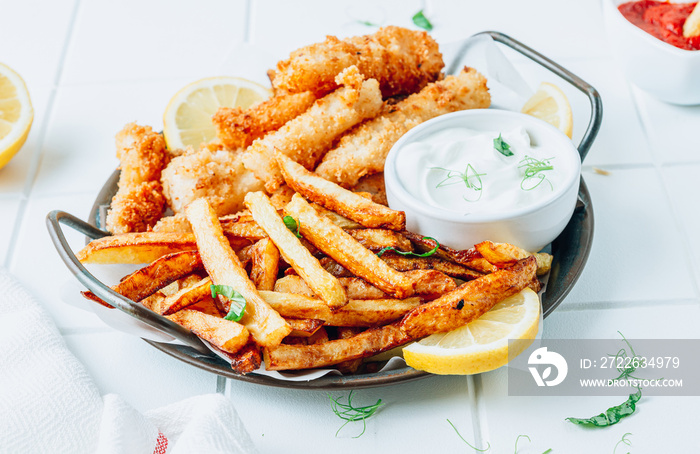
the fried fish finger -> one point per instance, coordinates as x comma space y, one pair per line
403, 61
363, 150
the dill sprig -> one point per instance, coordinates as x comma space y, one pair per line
350, 413
470, 177
518, 439
413, 254
624, 440
533, 169
469, 444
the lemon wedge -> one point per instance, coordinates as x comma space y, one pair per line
16, 114
550, 104
481, 345
187, 118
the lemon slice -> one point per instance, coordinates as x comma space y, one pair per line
482, 345
187, 119
16, 114
551, 105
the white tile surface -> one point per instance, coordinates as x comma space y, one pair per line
543, 418
673, 130
9, 209
280, 27
554, 28
413, 416
79, 153
33, 33
628, 238
135, 40
684, 192
144, 376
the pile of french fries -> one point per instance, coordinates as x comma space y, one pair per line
332, 289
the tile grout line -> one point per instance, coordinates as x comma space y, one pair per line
658, 166
248, 26
36, 158
609, 305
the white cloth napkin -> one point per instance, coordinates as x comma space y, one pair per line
49, 403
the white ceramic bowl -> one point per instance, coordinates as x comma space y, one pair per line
667, 72
531, 227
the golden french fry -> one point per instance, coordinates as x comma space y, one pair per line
352, 365
377, 239
431, 284
467, 257
293, 283
468, 301
355, 313
245, 360
504, 254
406, 264
335, 218
242, 227
293, 251
367, 343
225, 334
359, 289
135, 248
353, 206
344, 249
186, 297
165, 270
266, 326
304, 327
691, 26
265, 257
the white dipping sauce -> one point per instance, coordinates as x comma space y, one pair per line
459, 170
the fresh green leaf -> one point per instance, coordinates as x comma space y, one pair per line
468, 444
237, 307
292, 225
518, 439
421, 21
501, 146
624, 440
367, 23
547, 451
612, 415
349, 412
412, 254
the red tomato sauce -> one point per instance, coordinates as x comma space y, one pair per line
663, 20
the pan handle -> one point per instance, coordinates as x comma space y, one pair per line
592, 94
53, 222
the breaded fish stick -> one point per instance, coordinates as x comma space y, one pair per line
139, 201
307, 137
238, 128
363, 150
403, 61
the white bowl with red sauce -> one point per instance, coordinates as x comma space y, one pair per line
668, 72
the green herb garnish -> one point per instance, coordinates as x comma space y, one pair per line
237, 307
634, 362
367, 23
468, 444
349, 413
518, 439
612, 415
547, 451
421, 21
533, 175
413, 254
623, 440
292, 225
470, 177
501, 146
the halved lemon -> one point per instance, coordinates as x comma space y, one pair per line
550, 104
187, 118
16, 114
481, 345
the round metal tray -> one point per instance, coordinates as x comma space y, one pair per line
570, 251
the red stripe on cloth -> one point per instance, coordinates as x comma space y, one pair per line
161, 444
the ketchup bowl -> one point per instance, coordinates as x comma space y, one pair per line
484, 174
665, 71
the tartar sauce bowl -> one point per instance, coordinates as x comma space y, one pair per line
663, 70
410, 178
